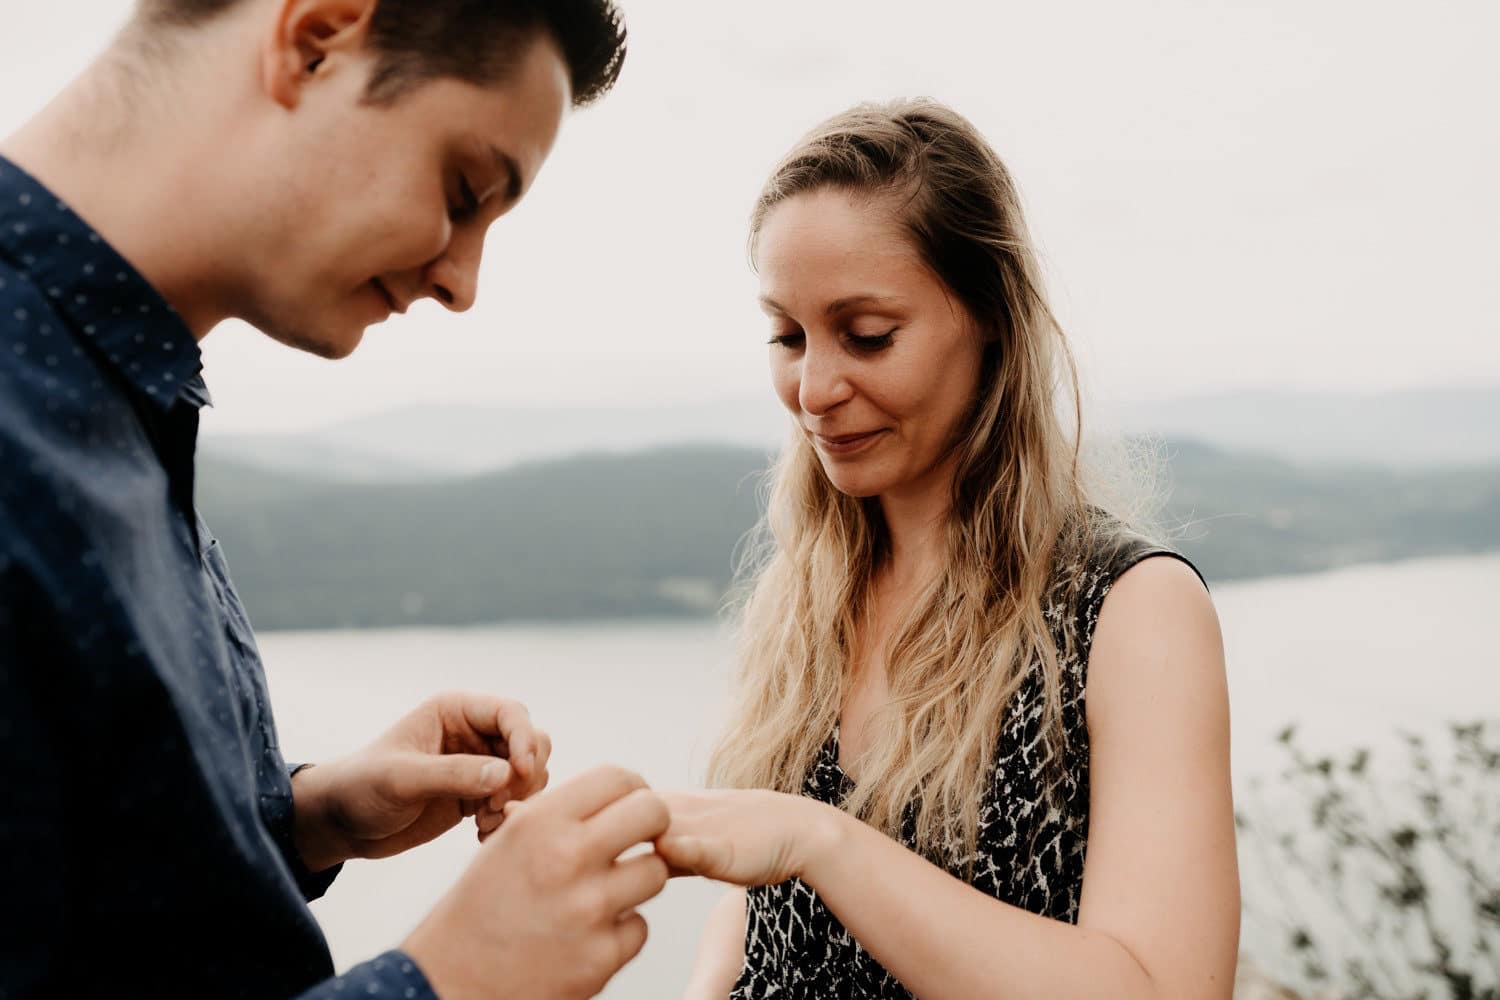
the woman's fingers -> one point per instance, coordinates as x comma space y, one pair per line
688, 855
487, 821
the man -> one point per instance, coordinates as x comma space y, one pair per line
309, 166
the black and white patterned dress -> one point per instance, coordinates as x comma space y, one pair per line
1030, 853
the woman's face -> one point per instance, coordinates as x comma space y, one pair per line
870, 353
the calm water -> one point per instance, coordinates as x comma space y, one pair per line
1352, 656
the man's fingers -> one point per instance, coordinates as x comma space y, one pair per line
459, 776
634, 880
493, 718
590, 792
637, 818
543, 747
630, 937
513, 722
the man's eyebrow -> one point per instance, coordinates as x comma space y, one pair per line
507, 165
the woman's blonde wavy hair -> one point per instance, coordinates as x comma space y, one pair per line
1020, 510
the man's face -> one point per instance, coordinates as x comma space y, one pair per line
379, 206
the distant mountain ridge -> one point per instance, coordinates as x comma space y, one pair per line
655, 533
1419, 428
429, 442
1413, 429
595, 536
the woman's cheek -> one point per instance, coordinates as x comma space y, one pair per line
785, 381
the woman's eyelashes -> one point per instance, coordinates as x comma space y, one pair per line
789, 340
865, 343
872, 342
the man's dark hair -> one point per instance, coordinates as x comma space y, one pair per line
478, 41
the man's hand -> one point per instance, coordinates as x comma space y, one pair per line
458, 755
547, 909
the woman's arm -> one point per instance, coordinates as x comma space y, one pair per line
721, 952
1159, 918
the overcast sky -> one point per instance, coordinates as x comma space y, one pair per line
1280, 193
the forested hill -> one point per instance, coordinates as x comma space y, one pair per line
655, 532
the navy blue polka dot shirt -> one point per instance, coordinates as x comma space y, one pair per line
145, 808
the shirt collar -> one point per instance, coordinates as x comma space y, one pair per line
108, 304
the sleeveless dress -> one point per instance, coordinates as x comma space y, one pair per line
1029, 853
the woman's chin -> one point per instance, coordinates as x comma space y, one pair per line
858, 483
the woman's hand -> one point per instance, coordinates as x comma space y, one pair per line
458, 755
746, 837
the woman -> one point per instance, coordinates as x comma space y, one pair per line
981, 744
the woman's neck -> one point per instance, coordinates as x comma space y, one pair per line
916, 518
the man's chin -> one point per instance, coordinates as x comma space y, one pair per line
331, 345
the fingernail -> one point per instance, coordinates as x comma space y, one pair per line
494, 773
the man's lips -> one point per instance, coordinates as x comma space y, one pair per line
390, 300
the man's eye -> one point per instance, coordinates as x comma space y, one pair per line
468, 206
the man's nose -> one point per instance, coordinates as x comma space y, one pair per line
824, 382
453, 279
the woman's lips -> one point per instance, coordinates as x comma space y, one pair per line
846, 444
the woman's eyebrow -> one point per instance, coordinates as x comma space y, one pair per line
836, 306
850, 301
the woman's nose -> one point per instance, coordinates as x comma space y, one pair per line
824, 382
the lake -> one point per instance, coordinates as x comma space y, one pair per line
1352, 656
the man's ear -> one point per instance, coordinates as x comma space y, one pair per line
308, 39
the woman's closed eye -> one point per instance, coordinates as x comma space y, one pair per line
870, 343
865, 343
791, 339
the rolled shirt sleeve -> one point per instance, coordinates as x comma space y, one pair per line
393, 975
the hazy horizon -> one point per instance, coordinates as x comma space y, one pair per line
1225, 197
